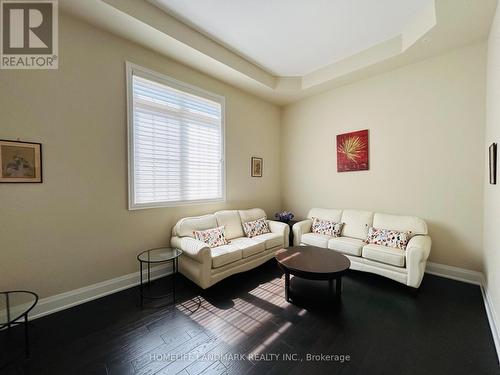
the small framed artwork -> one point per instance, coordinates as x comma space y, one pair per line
20, 161
493, 163
257, 165
352, 151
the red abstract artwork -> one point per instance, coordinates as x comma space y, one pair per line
352, 151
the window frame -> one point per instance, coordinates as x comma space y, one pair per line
134, 69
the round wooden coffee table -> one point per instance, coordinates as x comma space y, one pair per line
313, 263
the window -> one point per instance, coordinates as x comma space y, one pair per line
176, 142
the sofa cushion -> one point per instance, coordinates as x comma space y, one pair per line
356, 223
185, 227
400, 223
328, 227
384, 254
325, 213
313, 239
212, 237
256, 227
252, 214
387, 237
249, 246
270, 240
225, 254
230, 220
347, 245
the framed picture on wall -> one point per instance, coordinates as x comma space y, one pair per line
20, 161
352, 151
493, 163
257, 165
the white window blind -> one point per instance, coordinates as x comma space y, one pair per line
176, 136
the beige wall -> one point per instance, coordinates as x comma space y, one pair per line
74, 229
492, 192
426, 124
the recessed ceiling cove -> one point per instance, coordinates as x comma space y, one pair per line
290, 38
286, 50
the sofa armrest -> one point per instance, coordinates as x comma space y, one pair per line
281, 228
299, 229
193, 248
417, 252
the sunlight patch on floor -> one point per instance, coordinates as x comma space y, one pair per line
267, 342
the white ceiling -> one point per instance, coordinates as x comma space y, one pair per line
442, 25
296, 37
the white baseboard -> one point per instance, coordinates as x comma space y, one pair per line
52, 304
492, 317
455, 273
471, 277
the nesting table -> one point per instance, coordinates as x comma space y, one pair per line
155, 257
15, 306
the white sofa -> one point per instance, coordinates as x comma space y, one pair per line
406, 266
206, 266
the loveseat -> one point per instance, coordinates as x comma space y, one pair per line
405, 266
206, 266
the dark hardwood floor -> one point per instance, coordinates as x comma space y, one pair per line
242, 324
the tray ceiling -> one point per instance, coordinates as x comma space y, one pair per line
286, 50
294, 38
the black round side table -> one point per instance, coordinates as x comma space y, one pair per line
16, 305
158, 256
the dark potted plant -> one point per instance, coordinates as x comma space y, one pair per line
284, 216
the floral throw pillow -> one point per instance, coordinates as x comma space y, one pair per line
387, 237
212, 237
256, 227
327, 227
